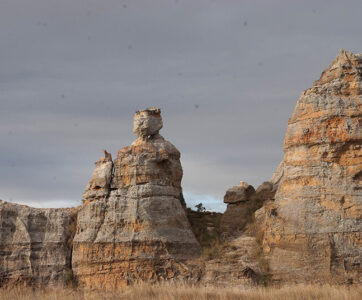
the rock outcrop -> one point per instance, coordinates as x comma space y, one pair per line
242, 201
313, 230
35, 244
140, 231
98, 187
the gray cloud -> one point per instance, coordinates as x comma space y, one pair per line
226, 74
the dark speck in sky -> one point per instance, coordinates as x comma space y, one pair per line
44, 24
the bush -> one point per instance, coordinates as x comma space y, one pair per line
200, 207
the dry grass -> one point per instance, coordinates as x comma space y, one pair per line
186, 292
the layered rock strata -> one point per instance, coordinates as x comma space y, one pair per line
35, 244
140, 231
313, 230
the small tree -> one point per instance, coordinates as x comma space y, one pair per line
200, 207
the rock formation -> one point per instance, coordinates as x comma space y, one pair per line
98, 187
140, 231
35, 244
242, 201
313, 230
305, 225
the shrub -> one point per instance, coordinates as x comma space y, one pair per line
68, 277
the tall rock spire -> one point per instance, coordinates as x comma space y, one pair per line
140, 231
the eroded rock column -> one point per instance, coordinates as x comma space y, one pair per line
140, 231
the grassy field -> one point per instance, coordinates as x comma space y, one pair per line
184, 292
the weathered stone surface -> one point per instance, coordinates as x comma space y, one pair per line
35, 244
140, 232
239, 264
313, 230
99, 186
147, 122
265, 189
239, 193
242, 201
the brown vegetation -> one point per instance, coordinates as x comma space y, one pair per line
206, 227
185, 292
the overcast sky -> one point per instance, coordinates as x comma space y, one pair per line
226, 74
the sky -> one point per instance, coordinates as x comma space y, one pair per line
226, 75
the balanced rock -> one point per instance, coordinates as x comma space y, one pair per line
242, 201
140, 231
147, 122
313, 230
239, 193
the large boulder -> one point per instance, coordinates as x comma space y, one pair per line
147, 122
313, 230
242, 201
239, 193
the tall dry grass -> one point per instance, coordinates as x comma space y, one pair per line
186, 292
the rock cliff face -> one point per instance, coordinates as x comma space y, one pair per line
140, 231
35, 244
313, 230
